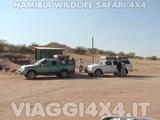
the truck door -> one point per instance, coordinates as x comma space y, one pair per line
108, 67
44, 67
54, 67
114, 67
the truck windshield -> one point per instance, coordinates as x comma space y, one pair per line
38, 62
99, 62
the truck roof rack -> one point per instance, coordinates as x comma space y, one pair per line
62, 57
112, 57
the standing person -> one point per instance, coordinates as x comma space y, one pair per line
123, 72
74, 62
119, 67
81, 65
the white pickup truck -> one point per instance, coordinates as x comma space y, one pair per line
107, 66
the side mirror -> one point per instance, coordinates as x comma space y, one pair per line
41, 64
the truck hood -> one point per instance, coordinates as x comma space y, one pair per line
27, 66
92, 65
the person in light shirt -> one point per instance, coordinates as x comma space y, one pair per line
81, 65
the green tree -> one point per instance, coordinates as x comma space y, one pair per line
80, 50
121, 54
131, 55
2, 44
152, 58
110, 53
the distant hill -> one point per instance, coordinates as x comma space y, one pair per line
11, 51
57, 45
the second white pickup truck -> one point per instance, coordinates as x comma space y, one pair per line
107, 66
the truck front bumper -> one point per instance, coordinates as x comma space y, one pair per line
22, 72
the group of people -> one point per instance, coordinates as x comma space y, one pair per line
121, 68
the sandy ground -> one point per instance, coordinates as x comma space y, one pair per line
142, 85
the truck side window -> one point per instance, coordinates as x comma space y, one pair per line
108, 63
53, 63
69, 62
101, 63
114, 62
44, 63
126, 61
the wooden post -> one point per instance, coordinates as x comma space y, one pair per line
92, 50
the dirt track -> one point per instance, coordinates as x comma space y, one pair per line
45, 90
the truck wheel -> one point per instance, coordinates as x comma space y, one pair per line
90, 74
58, 75
98, 73
30, 75
64, 74
115, 74
126, 71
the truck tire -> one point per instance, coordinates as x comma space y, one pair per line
64, 74
126, 71
90, 74
31, 75
115, 74
98, 73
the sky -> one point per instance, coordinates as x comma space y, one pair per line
128, 30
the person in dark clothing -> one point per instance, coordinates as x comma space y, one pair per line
74, 63
73, 60
119, 67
